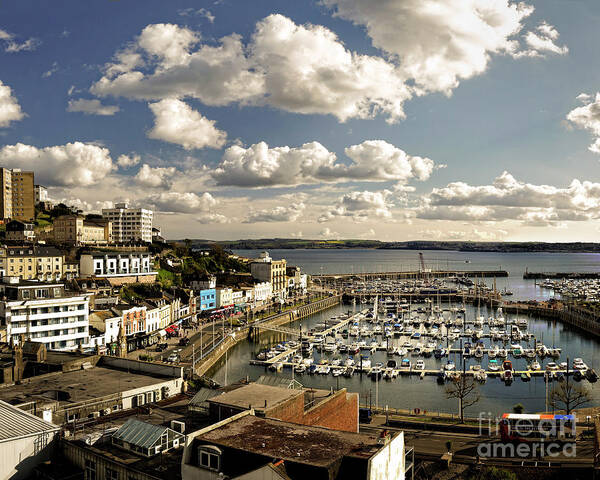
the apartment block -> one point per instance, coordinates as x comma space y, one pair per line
17, 231
265, 269
44, 312
17, 199
129, 225
118, 267
41, 194
78, 230
29, 262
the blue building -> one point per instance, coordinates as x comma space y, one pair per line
208, 299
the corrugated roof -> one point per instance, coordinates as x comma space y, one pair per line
281, 382
15, 423
203, 395
141, 434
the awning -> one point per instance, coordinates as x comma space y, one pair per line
162, 333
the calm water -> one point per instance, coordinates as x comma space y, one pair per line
426, 394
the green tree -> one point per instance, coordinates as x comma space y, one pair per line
518, 408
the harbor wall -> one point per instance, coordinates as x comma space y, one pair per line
203, 367
412, 275
569, 314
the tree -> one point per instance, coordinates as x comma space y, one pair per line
465, 390
568, 396
518, 408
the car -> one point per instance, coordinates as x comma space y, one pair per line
161, 347
173, 358
185, 341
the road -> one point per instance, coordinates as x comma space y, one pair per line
430, 445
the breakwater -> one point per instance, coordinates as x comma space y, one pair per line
408, 275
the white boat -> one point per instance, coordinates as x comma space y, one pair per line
493, 351
420, 365
535, 365
300, 369
449, 366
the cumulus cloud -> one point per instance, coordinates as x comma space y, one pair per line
588, 117
372, 161
439, 43
176, 122
510, 199
175, 202
91, 107
72, 164
10, 110
297, 68
12, 45
127, 161
155, 176
277, 214
361, 206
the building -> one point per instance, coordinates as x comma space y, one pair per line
129, 225
17, 199
107, 385
17, 231
266, 269
25, 442
77, 230
208, 299
104, 330
224, 297
263, 291
32, 262
337, 410
40, 194
44, 312
205, 282
119, 267
245, 443
133, 320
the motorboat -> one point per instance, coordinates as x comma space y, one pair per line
535, 365
449, 366
420, 365
405, 363
300, 369
493, 365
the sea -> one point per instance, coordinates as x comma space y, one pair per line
426, 395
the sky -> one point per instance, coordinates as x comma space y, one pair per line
475, 120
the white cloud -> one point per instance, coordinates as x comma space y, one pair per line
176, 122
202, 12
437, 42
10, 110
372, 161
175, 202
361, 206
52, 71
73, 164
328, 234
11, 45
91, 107
510, 199
127, 161
290, 213
303, 69
588, 117
543, 40
207, 218
155, 176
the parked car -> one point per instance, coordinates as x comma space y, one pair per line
161, 347
173, 358
185, 341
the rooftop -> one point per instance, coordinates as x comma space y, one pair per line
77, 386
14, 422
292, 442
255, 395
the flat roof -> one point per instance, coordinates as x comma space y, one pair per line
289, 441
255, 394
80, 385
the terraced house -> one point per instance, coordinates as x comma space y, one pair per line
32, 262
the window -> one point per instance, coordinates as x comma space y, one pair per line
111, 474
209, 457
90, 470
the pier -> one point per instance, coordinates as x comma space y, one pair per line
408, 275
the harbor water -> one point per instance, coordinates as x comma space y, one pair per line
410, 391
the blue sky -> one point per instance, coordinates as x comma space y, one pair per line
419, 120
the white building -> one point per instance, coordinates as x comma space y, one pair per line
44, 312
40, 193
263, 292
129, 225
25, 442
224, 297
115, 264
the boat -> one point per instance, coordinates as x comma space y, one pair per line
493, 366
387, 373
405, 363
507, 376
300, 369
507, 365
276, 367
449, 366
535, 365
376, 372
348, 372
337, 371
577, 375
441, 377
525, 376
502, 353
591, 375
439, 352
392, 364
551, 366
480, 376
478, 352
312, 369
493, 351
420, 365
